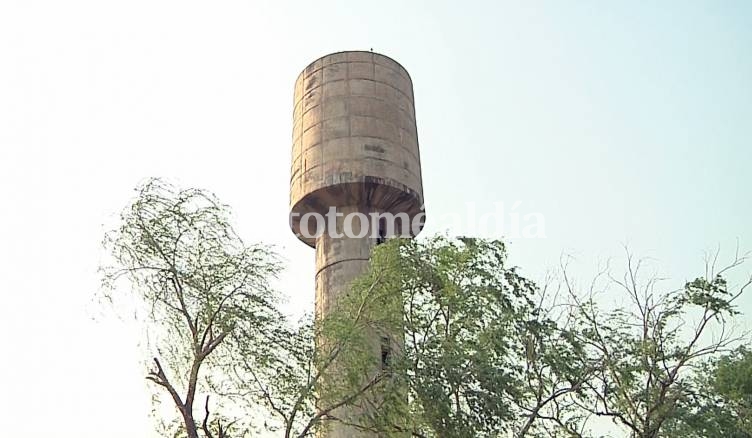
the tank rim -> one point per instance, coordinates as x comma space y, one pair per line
355, 51
302, 205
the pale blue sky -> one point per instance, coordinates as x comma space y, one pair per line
620, 122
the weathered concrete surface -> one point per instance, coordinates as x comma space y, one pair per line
355, 142
355, 147
338, 262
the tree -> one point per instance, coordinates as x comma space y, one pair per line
484, 352
474, 354
206, 294
721, 399
648, 346
469, 346
214, 321
732, 381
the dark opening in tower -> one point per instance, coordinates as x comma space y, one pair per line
381, 238
386, 353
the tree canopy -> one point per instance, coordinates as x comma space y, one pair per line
486, 352
224, 354
469, 346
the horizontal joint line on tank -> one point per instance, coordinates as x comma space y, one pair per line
344, 160
320, 72
321, 127
300, 137
369, 137
350, 94
367, 157
408, 113
341, 261
347, 96
349, 116
344, 96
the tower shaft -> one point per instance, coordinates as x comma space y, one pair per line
339, 261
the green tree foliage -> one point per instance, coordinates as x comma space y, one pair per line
474, 355
206, 294
440, 338
720, 404
649, 345
224, 354
732, 381
482, 351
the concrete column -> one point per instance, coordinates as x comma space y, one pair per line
339, 261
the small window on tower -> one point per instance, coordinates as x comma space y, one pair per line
382, 232
386, 353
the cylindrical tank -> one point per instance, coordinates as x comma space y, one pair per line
355, 142
355, 148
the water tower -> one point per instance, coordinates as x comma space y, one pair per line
355, 148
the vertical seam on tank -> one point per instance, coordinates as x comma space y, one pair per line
347, 104
347, 107
322, 97
368, 196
